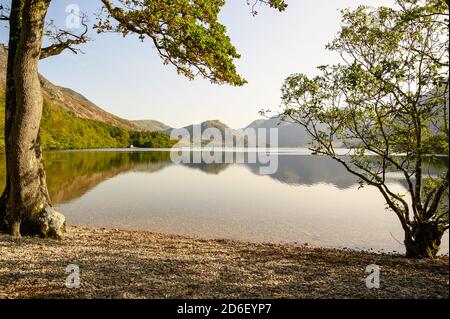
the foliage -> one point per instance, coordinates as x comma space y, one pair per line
150, 139
64, 130
186, 33
388, 97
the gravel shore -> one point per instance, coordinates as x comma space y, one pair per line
134, 264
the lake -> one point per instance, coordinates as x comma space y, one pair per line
308, 200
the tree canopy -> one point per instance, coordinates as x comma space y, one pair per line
186, 33
388, 103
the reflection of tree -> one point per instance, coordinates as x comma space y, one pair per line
71, 174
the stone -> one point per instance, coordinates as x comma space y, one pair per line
53, 223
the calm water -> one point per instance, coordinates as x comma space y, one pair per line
308, 200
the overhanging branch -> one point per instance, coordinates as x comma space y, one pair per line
65, 40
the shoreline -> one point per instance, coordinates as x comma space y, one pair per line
140, 264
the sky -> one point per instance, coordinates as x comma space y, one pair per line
126, 77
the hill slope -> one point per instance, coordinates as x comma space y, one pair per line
289, 134
152, 125
62, 130
187, 133
67, 100
71, 121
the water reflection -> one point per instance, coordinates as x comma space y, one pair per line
73, 173
70, 174
309, 199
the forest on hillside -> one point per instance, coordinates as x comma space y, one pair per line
64, 130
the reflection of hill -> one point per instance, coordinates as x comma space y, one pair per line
309, 170
71, 174
72, 189
151, 167
213, 168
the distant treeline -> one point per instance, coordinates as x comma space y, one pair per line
62, 130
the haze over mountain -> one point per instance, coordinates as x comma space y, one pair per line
289, 134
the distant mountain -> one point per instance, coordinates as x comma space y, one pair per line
152, 125
187, 133
71, 121
59, 101
289, 134
67, 100
255, 123
208, 124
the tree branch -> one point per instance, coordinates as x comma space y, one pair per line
65, 40
437, 197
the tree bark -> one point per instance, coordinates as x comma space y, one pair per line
424, 241
15, 23
28, 207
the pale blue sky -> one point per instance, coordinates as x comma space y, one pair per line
126, 77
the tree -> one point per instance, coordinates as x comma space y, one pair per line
186, 34
387, 103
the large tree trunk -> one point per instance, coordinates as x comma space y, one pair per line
424, 242
28, 208
15, 24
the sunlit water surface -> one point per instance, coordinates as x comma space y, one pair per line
308, 199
